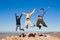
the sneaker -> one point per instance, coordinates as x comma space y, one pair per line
34, 25
45, 26
27, 26
22, 29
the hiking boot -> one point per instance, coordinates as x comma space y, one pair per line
22, 29
45, 26
27, 26
34, 25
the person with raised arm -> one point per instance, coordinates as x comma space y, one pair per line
28, 21
18, 23
40, 18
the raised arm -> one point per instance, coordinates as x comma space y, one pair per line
37, 10
46, 9
23, 13
21, 16
33, 11
15, 14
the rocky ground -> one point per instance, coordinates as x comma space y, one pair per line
30, 36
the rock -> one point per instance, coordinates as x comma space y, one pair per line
37, 37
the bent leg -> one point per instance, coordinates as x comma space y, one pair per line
27, 26
43, 23
17, 27
31, 24
26, 23
38, 22
20, 28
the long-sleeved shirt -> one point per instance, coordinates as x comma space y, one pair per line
42, 13
18, 20
28, 15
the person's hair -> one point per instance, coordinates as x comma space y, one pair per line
42, 9
17, 16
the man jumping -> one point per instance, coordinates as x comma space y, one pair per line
18, 24
40, 18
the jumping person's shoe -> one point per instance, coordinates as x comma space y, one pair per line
39, 26
34, 25
22, 29
27, 26
45, 26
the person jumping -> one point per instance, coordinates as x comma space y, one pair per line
18, 24
40, 18
28, 21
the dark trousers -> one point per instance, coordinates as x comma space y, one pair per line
19, 26
40, 21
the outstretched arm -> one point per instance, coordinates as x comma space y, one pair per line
21, 16
15, 15
37, 10
23, 13
47, 9
33, 11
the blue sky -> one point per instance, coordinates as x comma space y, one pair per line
9, 7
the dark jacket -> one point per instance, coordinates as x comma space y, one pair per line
18, 20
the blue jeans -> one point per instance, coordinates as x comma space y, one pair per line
18, 26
